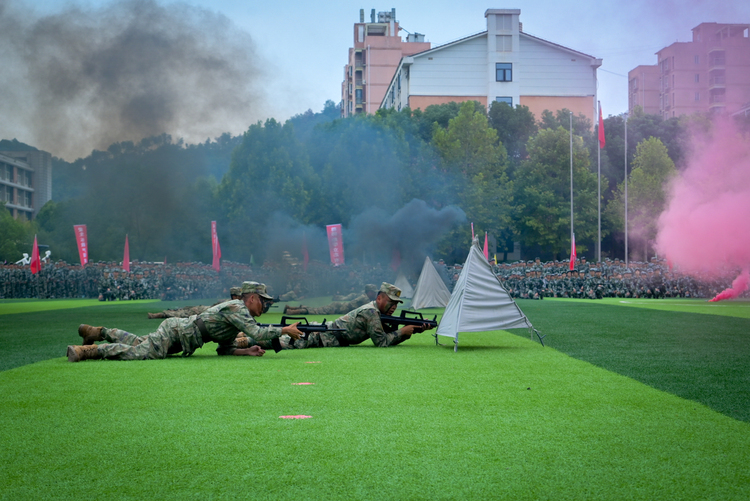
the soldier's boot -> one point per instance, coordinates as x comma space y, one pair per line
161, 314
78, 353
90, 334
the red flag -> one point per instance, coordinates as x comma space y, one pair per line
472, 232
126, 256
215, 246
602, 142
486, 250
36, 264
305, 255
573, 253
82, 240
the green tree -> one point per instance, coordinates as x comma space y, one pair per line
542, 194
16, 237
269, 172
514, 127
472, 155
647, 184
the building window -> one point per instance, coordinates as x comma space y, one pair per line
697, 59
28, 199
697, 77
507, 100
697, 96
503, 72
504, 22
358, 96
504, 43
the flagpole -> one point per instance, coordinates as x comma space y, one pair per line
599, 190
571, 176
626, 190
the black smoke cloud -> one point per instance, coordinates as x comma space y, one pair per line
413, 230
85, 78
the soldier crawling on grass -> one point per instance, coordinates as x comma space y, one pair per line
188, 311
361, 324
337, 307
220, 324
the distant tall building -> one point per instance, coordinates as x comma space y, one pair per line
25, 181
377, 49
500, 64
709, 74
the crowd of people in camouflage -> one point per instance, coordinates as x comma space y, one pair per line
183, 281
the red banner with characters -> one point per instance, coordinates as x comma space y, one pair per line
83, 244
215, 247
335, 244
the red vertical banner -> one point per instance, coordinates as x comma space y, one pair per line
395, 259
335, 244
36, 264
305, 255
126, 256
83, 245
486, 248
602, 142
573, 253
215, 246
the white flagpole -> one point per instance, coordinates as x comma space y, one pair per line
599, 192
571, 176
626, 190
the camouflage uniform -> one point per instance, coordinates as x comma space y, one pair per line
222, 324
361, 324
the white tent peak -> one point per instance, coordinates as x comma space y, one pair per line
402, 283
431, 291
479, 302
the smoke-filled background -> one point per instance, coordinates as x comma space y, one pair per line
706, 227
86, 77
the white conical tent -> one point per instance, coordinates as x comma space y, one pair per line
402, 283
431, 291
479, 302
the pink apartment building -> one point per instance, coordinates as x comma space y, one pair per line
373, 59
709, 74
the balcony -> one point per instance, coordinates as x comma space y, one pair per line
717, 82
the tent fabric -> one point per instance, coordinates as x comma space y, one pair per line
402, 283
479, 302
431, 291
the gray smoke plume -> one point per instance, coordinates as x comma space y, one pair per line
413, 231
86, 78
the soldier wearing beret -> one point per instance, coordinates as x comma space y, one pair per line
220, 324
360, 324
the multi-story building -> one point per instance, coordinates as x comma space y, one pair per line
709, 74
500, 64
377, 50
643, 89
25, 181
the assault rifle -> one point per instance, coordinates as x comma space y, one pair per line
407, 318
303, 326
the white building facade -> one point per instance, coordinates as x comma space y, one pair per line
500, 64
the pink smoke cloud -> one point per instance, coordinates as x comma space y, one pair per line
706, 227
738, 287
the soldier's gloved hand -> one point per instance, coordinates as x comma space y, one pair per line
292, 331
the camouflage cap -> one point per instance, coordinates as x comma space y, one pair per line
255, 288
371, 288
235, 291
390, 290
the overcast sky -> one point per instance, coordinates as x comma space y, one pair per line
302, 45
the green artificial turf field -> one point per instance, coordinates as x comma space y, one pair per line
594, 415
